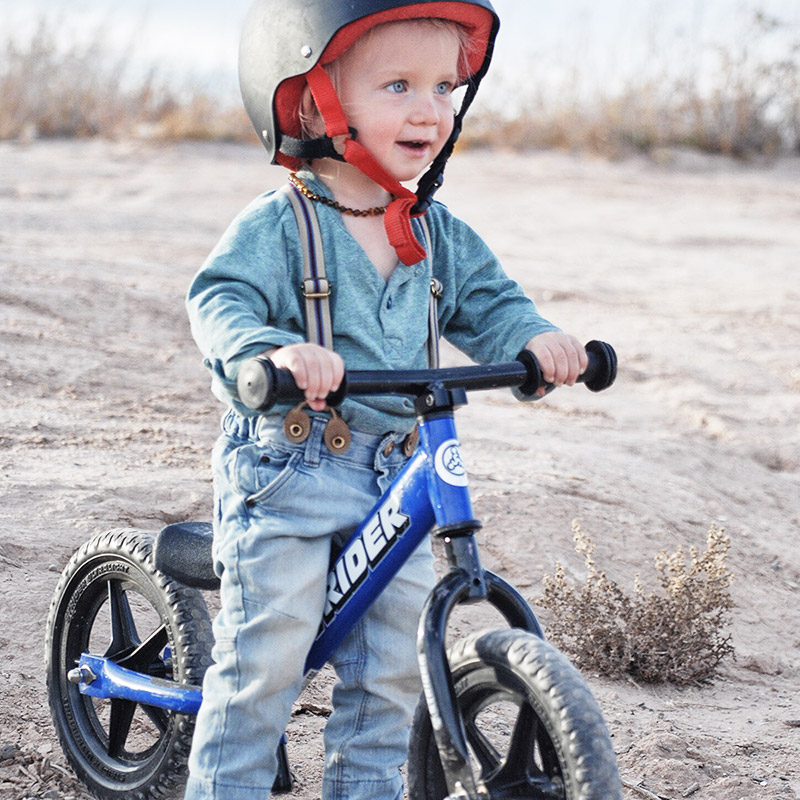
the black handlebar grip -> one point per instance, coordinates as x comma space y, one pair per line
534, 380
602, 369
598, 375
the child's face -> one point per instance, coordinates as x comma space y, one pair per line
396, 85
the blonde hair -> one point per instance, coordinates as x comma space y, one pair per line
311, 122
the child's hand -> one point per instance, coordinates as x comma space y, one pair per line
561, 357
316, 371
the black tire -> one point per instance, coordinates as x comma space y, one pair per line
533, 728
111, 601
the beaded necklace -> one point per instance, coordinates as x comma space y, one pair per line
356, 212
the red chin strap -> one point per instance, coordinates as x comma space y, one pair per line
397, 219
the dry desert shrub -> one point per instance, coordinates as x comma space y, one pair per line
744, 100
676, 634
201, 117
52, 88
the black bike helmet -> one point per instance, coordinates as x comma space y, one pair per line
283, 47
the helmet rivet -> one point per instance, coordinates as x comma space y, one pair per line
306, 51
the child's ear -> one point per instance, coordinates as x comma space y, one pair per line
310, 117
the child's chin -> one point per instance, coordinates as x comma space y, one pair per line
407, 173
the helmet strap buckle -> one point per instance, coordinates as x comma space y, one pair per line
339, 143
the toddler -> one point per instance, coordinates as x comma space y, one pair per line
354, 98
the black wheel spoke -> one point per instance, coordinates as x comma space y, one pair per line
158, 717
519, 775
146, 656
519, 763
482, 748
119, 726
548, 754
124, 636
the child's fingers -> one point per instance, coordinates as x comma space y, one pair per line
296, 364
566, 363
316, 371
546, 361
337, 369
561, 358
325, 375
576, 360
313, 387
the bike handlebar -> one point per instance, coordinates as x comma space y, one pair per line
261, 384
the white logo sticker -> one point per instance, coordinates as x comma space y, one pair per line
449, 465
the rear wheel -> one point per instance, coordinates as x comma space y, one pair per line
533, 728
112, 602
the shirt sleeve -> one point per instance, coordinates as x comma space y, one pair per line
483, 312
238, 303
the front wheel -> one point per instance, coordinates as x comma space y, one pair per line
112, 602
533, 728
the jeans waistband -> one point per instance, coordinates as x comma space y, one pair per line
366, 449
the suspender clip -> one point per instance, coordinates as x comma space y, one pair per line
316, 288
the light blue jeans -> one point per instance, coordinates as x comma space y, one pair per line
279, 508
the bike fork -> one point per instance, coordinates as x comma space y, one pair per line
466, 582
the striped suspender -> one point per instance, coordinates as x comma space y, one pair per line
317, 289
433, 305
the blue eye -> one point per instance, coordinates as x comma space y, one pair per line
443, 88
398, 87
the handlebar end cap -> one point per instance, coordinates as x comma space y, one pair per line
255, 383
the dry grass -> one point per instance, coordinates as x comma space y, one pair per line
743, 102
81, 90
50, 92
747, 102
675, 634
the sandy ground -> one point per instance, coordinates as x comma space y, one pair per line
686, 264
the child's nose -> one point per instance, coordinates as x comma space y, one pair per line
426, 110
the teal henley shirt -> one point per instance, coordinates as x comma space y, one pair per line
247, 298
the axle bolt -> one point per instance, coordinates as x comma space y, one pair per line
81, 674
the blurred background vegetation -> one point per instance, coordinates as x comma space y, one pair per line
740, 99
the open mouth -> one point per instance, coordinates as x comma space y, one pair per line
415, 145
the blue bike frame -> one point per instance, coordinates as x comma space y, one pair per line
430, 490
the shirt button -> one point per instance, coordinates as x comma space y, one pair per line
389, 302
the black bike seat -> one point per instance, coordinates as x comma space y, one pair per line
183, 551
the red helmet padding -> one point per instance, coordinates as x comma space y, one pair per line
478, 22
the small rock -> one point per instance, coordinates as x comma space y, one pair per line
8, 751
